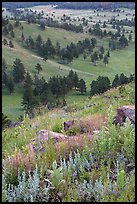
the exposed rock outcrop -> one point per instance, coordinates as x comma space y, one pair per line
124, 112
44, 135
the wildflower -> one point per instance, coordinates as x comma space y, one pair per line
112, 191
118, 192
123, 188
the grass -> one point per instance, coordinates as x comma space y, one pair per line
120, 60
111, 142
77, 109
11, 104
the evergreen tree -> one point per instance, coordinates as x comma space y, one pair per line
42, 25
5, 121
123, 42
82, 86
100, 56
38, 68
11, 44
5, 30
4, 65
10, 85
38, 42
108, 53
28, 80
93, 87
5, 42
102, 50
116, 81
75, 80
29, 100
93, 42
22, 37
10, 27
104, 24
130, 37
30, 42
12, 34
58, 49
85, 56
105, 60
4, 78
94, 58
123, 79
18, 71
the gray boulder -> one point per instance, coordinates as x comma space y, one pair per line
43, 136
124, 112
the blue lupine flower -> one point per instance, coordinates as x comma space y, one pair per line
112, 191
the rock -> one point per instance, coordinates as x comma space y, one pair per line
44, 135
15, 124
68, 125
124, 112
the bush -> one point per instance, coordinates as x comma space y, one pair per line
27, 190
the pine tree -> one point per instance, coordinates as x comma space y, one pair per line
22, 37
38, 68
42, 25
12, 34
18, 71
123, 79
5, 121
102, 50
58, 49
28, 101
108, 53
10, 27
5, 30
38, 42
4, 65
28, 80
100, 56
82, 86
10, 85
5, 42
130, 37
116, 81
85, 56
11, 44
105, 60
123, 42
94, 58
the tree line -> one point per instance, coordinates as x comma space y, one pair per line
67, 54
102, 84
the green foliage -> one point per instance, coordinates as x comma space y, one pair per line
27, 190
5, 121
57, 128
18, 71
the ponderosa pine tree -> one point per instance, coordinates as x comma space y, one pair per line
116, 81
10, 84
82, 86
38, 42
11, 44
105, 60
38, 68
18, 71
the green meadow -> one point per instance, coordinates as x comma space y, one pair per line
120, 60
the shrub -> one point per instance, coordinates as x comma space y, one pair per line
27, 190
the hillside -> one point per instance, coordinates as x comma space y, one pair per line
121, 61
99, 111
68, 102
